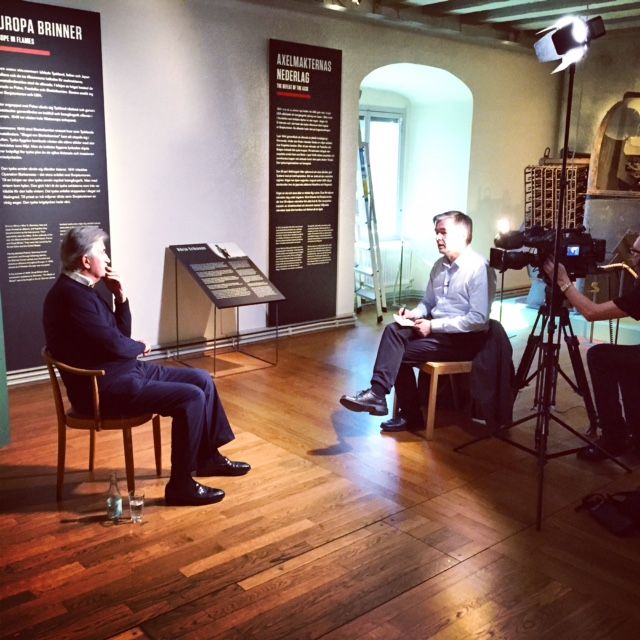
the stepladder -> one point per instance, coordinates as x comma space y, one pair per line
369, 286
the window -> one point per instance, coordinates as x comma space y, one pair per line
384, 133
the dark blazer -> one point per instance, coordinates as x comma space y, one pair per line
82, 331
491, 378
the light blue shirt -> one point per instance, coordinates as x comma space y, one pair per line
459, 294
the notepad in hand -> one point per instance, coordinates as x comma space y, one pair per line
403, 321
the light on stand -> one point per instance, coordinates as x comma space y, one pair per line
568, 39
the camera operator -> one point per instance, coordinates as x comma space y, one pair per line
614, 369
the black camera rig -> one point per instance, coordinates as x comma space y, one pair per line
579, 252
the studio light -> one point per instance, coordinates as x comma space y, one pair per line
568, 39
504, 225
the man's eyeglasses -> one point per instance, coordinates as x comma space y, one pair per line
634, 252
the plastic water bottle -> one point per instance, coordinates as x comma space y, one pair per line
114, 499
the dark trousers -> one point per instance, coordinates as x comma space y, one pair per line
615, 372
401, 349
189, 396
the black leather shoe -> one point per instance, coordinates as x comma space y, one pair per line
593, 454
393, 425
225, 468
192, 495
366, 401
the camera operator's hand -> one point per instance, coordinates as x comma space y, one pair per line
423, 327
588, 308
563, 276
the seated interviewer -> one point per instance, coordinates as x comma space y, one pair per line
82, 330
449, 324
614, 369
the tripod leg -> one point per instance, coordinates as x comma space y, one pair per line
542, 460
581, 382
555, 354
533, 344
546, 386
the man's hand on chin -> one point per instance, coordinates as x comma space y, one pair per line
114, 284
423, 327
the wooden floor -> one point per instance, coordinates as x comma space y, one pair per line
338, 532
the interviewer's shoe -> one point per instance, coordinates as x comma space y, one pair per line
397, 424
223, 467
613, 446
191, 494
366, 401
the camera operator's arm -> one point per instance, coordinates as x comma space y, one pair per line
589, 309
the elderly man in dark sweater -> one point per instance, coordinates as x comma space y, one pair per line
82, 330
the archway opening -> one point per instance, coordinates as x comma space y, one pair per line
417, 122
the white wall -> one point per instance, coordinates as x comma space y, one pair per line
187, 129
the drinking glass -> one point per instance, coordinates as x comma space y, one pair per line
136, 506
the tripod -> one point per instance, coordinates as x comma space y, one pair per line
535, 344
546, 379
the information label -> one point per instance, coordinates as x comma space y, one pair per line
226, 274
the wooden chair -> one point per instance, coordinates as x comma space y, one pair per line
68, 418
435, 370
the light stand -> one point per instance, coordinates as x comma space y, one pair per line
570, 44
549, 363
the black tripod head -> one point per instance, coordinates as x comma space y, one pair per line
555, 302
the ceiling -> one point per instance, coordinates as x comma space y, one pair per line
497, 21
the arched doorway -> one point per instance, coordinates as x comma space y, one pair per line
417, 121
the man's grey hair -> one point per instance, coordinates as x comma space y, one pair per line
79, 242
459, 218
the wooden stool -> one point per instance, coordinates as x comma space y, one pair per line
435, 369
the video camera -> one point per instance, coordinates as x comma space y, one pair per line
579, 252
